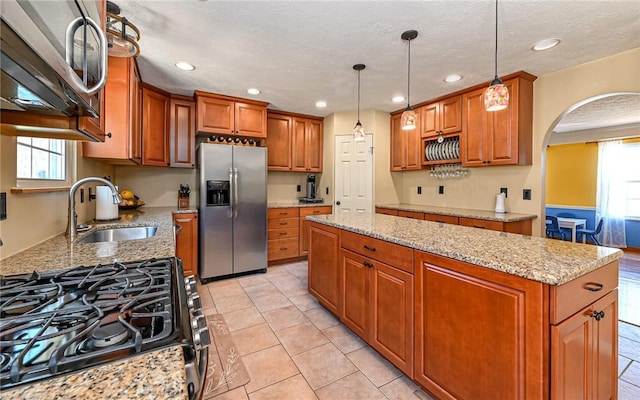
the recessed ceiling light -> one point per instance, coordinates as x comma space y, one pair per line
397, 99
545, 44
453, 78
321, 104
185, 66
253, 91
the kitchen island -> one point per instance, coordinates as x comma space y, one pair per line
151, 375
472, 313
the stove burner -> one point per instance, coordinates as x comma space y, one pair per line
108, 335
4, 361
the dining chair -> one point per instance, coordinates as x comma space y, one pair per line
553, 228
591, 233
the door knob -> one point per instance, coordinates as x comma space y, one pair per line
338, 202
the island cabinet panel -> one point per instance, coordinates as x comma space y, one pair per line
480, 333
392, 254
584, 352
324, 266
304, 225
355, 312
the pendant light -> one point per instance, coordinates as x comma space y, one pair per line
408, 119
496, 97
122, 35
358, 129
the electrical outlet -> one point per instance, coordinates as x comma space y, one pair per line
327, 190
419, 189
81, 195
526, 194
441, 189
3, 205
91, 195
298, 188
504, 190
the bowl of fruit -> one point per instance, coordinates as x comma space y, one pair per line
129, 200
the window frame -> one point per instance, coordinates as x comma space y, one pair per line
37, 183
627, 181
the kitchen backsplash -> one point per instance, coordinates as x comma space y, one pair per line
282, 186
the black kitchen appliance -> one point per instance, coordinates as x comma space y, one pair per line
311, 191
54, 323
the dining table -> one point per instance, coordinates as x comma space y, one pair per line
573, 224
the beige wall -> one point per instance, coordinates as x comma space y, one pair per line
157, 186
282, 186
35, 217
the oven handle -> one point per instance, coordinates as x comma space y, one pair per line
75, 80
202, 370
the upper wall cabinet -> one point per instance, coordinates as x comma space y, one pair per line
182, 132
405, 146
122, 104
155, 127
443, 117
294, 142
499, 137
224, 115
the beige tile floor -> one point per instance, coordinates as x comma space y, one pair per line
295, 349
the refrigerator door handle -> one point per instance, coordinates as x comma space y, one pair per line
231, 193
235, 192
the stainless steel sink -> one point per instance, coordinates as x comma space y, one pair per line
119, 234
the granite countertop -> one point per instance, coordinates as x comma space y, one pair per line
294, 203
544, 260
460, 212
156, 375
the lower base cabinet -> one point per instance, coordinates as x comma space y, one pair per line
187, 241
324, 266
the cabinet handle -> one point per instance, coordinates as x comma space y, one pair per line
598, 315
178, 228
283, 233
481, 227
594, 286
283, 223
283, 213
108, 135
369, 248
283, 248
368, 264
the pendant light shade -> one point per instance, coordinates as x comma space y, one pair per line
122, 35
409, 117
496, 97
358, 129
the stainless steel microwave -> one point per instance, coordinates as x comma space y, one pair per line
54, 59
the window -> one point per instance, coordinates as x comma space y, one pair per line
43, 162
631, 177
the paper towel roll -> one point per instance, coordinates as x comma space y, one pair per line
105, 209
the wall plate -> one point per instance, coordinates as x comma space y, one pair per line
3, 205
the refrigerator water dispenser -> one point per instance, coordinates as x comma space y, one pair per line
217, 193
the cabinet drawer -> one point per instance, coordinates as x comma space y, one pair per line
282, 233
573, 296
280, 223
386, 211
411, 214
304, 211
282, 212
282, 248
398, 256
445, 219
481, 223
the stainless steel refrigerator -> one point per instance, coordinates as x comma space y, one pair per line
233, 209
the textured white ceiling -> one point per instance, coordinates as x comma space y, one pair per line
298, 52
617, 110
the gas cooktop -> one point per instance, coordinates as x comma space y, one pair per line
55, 323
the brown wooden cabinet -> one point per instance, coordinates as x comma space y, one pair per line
304, 224
122, 119
279, 141
405, 147
442, 117
224, 115
324, 266
187, 241
500, 137
182, 132
306, 146
283, 233
155, 126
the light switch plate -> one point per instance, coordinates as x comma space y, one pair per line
526, 194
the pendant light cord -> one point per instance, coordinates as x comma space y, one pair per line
409, 77
358, 95
496, 52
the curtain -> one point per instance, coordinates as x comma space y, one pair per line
611, 194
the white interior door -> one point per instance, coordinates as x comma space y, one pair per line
353, 175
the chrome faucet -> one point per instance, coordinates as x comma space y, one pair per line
71, 227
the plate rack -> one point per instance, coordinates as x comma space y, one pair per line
435, 153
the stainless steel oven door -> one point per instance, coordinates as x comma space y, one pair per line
70, 37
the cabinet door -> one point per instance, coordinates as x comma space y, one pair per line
605, 348
135, 113
355, 312
474, 129
250, 120
215, 115
299, 148
392, 315
314, 145
413, 147
304, 237
397, 144
95, 126
502, 144
324, 266
187, 242
279, 132
182, 133
450, 111
430, 120
155, 128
